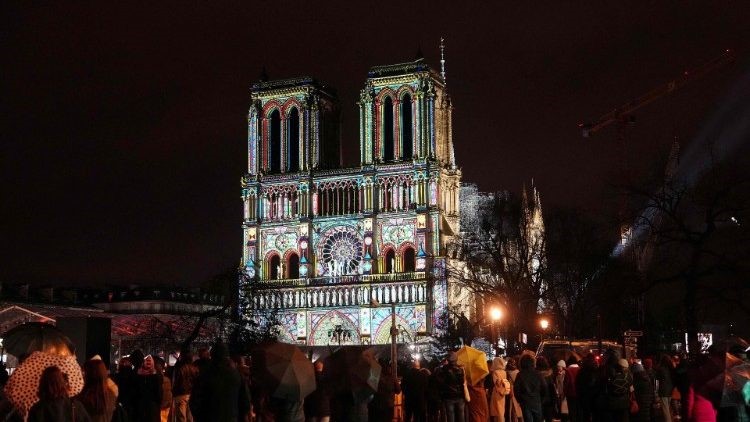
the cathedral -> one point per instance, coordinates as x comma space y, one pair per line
336, 250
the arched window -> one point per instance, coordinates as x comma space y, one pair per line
292, 266
388, 129
274, 166
292, 140
406, 128
273, 267
390, 261
408, 263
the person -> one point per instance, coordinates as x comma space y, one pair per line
530, 389
382, 404
617, 384
415, 385
54, 404
500, 389
586, 388
219, 394
166, 390
478, 411
204, 359
548, 399
514, 408
184, 375
435, 408
558, 380
664, 375
148, 392
317, 404
569, 388
451, 380
644, 394
126, 379
99, 394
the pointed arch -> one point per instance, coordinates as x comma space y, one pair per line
406, 126
389, 261
273, 262
292, 265
274, 138
408, 259
388, 129
292, 139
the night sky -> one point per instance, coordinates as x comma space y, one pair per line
124, 129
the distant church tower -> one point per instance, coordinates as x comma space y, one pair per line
322, 243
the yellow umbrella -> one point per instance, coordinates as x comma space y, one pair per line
474, 363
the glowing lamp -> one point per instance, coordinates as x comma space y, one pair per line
544, 323
496, 314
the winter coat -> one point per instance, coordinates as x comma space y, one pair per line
451, 381
219, 395
530, 389
644, 395
497, 400
318, 403
147, 398
478, 411
664, 376
569, 383
58, 410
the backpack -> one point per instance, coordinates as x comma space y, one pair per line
504, 387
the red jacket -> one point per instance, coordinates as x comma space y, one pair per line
569, 383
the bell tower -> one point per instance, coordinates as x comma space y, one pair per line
292, 127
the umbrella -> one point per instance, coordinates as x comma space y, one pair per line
355, 369
474, 363
23, 385
37, 336
287, 371
736, 373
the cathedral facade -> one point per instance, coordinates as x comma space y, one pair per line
335, 250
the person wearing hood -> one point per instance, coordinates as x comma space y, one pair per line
529, 388
548, 400
148, 392
500, 389
561, 403
644, 394
569, 388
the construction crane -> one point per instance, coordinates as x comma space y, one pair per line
624, 114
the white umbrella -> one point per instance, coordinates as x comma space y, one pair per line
23, 385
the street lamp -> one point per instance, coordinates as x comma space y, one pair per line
544, 323
496, 314
394, 332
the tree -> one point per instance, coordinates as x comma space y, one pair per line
578, 250
502, 258
692, 237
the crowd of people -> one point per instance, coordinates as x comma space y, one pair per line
607, 388
214, 386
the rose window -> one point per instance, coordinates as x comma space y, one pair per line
342, 253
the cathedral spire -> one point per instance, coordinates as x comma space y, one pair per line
442, 59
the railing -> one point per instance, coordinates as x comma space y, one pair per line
340, 295
342, 280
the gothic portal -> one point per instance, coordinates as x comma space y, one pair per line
332, 248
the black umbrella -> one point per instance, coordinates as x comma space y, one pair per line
37, 337
287, 372
355, 369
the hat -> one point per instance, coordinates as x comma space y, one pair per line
452, 357
623, 363
561, 364
637, 367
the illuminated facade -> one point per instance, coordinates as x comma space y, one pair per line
332, 248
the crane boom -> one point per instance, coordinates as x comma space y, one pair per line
622, 113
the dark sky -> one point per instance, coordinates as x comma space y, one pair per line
124, 135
